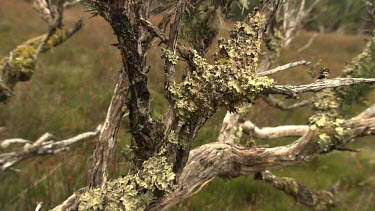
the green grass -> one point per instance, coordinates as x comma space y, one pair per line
71, 90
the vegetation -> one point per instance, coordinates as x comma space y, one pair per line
72, 88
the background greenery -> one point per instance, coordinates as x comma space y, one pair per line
71, 90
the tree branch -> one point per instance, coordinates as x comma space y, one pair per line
102, 155
43, 146
284, 67
273, 132
21, 64
319, 200
292, 91
279, 104
369, 112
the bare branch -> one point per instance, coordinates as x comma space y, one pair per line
284, 67
292, 91
230, 129
6, 143
308, 44
279, 104
369, 112
43, 146
274, 132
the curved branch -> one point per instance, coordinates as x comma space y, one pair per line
315, 199
43, 146
224, 160
20, 64
215, 159
279, 104
274, 132
102, 155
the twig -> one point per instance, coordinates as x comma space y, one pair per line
308, 44
43, 146
292, 91
282, 106
284, 67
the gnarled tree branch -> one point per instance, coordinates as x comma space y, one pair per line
43, 146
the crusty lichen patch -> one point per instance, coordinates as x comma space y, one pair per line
227, 83
169, 55
132, 192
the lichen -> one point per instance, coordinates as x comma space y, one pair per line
169, 55
132, 192
172, 137
275, 43
362, 66
327, 122
231, 80
22, 61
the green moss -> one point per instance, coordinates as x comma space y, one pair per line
132, 192
22, 61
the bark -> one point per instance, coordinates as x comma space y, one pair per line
102, 155
293, 91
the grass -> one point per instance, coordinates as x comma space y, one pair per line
71, 90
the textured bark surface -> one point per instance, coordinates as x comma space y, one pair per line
102, 155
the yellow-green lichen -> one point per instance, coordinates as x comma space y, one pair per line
22, 62
230, 81
132, 192
276, 42
169, 55
172, 137
326, 121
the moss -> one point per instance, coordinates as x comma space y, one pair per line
230, 81
132, 192
23, 62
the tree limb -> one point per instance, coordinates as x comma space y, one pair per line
319, 200
43, 146
284, 67
102, 155
292, 91
369, 112
279, 104
20, 64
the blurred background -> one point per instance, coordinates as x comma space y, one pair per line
72, 87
